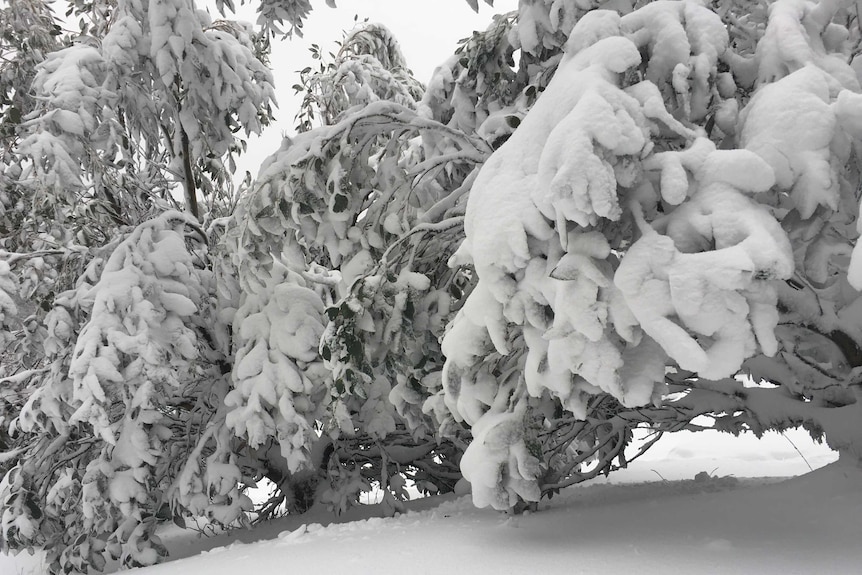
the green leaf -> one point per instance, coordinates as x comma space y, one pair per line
455, 291
34, 509
98, 561
360, 392
339, 203
354, 348
346, 312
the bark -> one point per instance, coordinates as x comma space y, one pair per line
189, 188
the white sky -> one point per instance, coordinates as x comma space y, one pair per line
428, 31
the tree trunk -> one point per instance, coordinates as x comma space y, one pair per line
189, 188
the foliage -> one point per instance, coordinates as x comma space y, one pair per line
111, 399
327, 224
368, 67
651, 231
164, 74
131, 360
592, 219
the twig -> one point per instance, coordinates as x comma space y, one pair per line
10, 455
422, 228
22, 375
13, 257
797, 451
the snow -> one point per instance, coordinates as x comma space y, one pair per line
277, 326
698, 286
854, 271
719, 293
562, 164
685, 40
8, 309
499, 208
719, 523
800, 34
791, 125
504, 451
694, 282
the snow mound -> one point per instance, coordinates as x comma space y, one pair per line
803, 525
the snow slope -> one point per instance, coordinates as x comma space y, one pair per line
807, 524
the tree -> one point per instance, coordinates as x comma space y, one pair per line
662, 223
592, 219
124, 396
29, 32
326, 225
208, 83
147, 99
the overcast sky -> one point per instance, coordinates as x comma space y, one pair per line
428, 31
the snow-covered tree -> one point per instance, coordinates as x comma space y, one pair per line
368, 67
114, 357
131, 371
596, 216
151, 102
100, 132
673, 217
343, 286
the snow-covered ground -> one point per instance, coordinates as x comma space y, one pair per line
651, 518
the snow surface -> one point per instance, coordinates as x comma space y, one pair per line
632, 522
